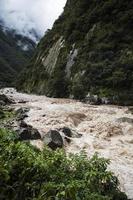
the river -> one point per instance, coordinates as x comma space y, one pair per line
102, 129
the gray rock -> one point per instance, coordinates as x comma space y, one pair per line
105, 100
130, 109
68, 133
29, 133
22, 101
93, 99
22, 110
22, 113
53, 139
70, 61
23, 124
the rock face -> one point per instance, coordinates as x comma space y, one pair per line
49, 62
86, 53
53, 139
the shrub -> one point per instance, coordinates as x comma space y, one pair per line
29, 174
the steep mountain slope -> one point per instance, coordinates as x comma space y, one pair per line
88, 51
15, 52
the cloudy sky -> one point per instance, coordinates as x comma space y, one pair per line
23, 15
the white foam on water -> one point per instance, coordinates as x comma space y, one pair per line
99, 126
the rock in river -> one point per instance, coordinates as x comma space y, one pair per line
68, 133
53, 139
29, 133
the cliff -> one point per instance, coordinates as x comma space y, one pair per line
89, 51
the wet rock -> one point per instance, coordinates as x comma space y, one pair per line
23, 124
130, 109
93, 99
29, 133
125, 119
68, 134
4, 100
22, 117
67, 131
97, 100
106, 100
22, 101
53, 139
22, 110
22, 113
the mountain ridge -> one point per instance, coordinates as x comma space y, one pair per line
90, 48
15, 53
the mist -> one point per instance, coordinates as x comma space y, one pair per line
27, 15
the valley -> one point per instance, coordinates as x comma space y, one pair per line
66, 100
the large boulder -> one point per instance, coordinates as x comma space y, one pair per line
27, 132
53, 139
68, 134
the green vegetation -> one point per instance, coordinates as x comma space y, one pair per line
102, 32
12, 57
6, 115
29, 174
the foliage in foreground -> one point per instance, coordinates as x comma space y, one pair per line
29, 174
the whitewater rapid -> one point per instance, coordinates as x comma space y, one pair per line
101, 128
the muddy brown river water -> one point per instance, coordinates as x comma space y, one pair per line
105, 129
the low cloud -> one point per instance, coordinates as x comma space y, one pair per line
26, 15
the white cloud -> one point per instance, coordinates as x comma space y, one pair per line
24, 15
